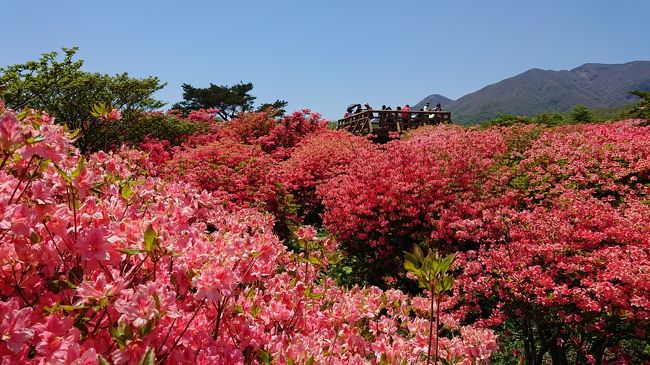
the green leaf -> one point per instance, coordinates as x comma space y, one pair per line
74, 133
63, 174
34, 237
102, 360
130, 251
70, 308
145, 330
412, 261
98, 109
264, 356
54, 308
56, 286
313, 295
117, 336
150, 238
447, 283
255, 310
417, 252
126, 191
310, 361
410, 267
446, 262
334, 258
149, 358
80, 166
35, 139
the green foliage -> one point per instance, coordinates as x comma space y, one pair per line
30, 83
431, 270
149, 357
641, 110
159, 126
73, 105
278, 108
505, 121
432, 274
62, 89
548, 119
229, 100
581, 114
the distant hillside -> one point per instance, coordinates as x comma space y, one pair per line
537, 91
434, 100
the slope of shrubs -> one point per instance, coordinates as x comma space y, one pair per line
172, 254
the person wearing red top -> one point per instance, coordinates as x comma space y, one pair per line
405, 110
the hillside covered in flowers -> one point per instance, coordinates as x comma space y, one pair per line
275, 240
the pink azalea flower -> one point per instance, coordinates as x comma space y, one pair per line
92, 244
114, 114
15, 327
9, 131
98, 289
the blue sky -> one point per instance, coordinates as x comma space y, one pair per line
324, 55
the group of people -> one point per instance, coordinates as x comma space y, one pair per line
427, 108
357, 108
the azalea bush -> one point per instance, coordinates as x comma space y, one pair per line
426, 188
102, 264
275, 136
227, 167
316, 160
572, 276
197, 250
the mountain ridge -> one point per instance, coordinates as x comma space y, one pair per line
536, 91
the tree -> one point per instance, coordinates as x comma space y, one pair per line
548, 119
277, 107
229, 100
580, 114
31, 82
641, 110
62, 89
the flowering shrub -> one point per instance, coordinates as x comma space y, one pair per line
235, 171
317, 159
274, 136
288, 131
573, 275
171, 254
610, 161
99, 263
413, 190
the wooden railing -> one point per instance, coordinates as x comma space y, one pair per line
382, 122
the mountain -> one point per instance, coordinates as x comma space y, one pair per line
538, 91
434, 100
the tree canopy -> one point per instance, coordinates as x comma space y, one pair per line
641, 110
581, 114
63, 89
229, 100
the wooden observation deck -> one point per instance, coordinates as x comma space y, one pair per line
382, 122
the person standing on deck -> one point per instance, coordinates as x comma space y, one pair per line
405, 110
